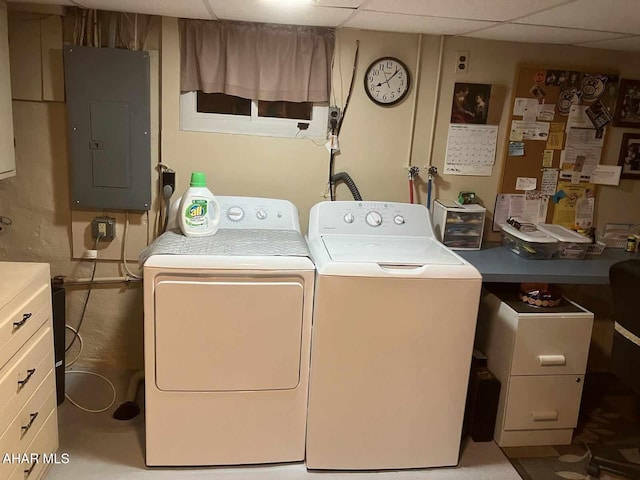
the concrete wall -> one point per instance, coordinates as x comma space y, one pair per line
375, 150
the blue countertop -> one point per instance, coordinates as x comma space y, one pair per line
499, 264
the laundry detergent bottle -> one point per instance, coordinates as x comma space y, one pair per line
199, 213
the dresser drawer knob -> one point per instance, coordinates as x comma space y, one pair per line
28, 472
552, 360
32, 418
22, 383
545, 416
25, 317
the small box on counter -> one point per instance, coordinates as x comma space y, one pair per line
532, 244
572, 244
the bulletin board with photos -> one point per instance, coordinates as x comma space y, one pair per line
557, 137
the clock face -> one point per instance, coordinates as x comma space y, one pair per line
387, 81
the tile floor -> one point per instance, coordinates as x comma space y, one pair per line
102, 448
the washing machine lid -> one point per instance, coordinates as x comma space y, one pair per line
388, 250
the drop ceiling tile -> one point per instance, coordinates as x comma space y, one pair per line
610, 15
169, 8
498, 10
629, 44
338, 3
273, 11
47, 2
536, 34
395, 22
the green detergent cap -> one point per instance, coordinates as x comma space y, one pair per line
198, 179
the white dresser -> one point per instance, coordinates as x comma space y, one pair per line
540, 357
28, 418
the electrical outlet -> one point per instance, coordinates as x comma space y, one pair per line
104, 227
334, 117
462, 62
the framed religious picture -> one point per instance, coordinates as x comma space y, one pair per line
629, 158
627, 112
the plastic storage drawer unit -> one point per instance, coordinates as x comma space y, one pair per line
533, 245
459, 227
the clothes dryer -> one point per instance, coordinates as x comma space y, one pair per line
227, 339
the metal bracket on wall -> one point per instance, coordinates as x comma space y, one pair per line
5, 222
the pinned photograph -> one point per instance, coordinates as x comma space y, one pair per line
573, 79
470, 103
538, 92
627, 112
555, 78
599, 114
629, 158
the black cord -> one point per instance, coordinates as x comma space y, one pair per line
353, 78
86, 300
335, 130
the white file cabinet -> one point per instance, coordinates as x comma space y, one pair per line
28, 418
540, 357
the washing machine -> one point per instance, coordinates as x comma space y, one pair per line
394, 322
227, 328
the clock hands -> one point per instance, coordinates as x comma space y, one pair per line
387, 79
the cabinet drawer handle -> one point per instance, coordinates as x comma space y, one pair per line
552, 360
22, 383
545, 416
25, 317
28, 472
32, 418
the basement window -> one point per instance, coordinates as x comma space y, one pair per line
221, 113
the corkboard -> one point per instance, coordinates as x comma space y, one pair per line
527, 78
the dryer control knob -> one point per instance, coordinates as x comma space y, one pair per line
374, 219
349, 218
398, 220
261, 214
235, 214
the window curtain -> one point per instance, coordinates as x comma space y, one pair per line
256, 61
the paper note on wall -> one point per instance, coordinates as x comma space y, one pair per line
581, 159
522, 104
578, 118
546, 112
555, 141
530, 207
549, 181
529, 130
547, 158
606, 175
565, 211
526, 183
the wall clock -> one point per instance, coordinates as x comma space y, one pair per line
387, 81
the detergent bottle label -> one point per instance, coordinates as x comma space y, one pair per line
196, 213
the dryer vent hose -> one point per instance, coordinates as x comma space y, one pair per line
346, 178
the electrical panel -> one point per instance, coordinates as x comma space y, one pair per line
108, 125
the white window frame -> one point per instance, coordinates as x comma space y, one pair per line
192, 120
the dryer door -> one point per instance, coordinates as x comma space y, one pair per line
233, 333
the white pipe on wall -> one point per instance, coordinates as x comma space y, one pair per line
414, 107
436, 100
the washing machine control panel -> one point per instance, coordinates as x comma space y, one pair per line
257, 213
369, 218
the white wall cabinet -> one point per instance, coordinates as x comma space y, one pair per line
28, 418
7, 150
540, 357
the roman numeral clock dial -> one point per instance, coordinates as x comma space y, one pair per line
387, 81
